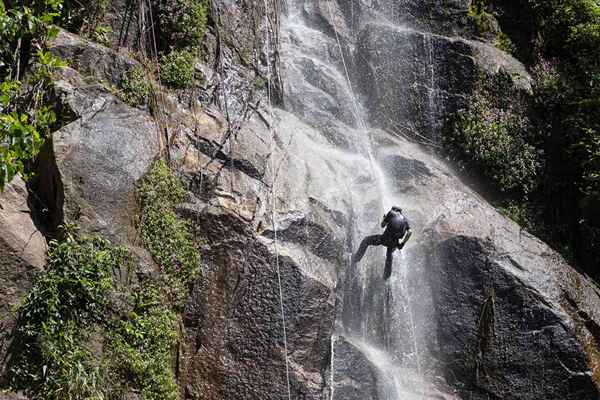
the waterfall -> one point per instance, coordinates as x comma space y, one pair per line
377, 321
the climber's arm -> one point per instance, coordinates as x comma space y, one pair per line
386, 219
405, 238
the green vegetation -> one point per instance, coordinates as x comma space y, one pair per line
102, 34
260, 83
167, 236
493, 134
551, 137
67, 310
181, 23
181, 28
84, 17
504, 43
136, 87
141, 346
566, 100
177, 69
483, 21
26, 118
74, 340
50, 358
486, 26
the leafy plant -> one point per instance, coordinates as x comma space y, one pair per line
177, 69
50, 359
141, 346
84, 17
25, 118
480, 18
166, 236
102, 34
504, 43
182, 23
136, 87
493, 134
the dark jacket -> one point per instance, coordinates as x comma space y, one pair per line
396, 225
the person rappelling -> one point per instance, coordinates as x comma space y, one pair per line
396, 234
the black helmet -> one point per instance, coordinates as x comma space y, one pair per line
398, 209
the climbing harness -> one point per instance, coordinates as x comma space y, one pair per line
273, 200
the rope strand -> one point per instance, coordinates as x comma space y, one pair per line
273, 201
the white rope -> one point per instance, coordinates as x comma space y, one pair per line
361, 123
273, 201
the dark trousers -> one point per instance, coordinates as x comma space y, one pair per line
378, 240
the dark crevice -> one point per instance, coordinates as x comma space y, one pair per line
46, 193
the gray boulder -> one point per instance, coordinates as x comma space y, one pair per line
94, 61
87, 171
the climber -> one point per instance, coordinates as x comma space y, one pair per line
396, 234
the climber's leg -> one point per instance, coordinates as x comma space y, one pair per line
373, 240
389, 258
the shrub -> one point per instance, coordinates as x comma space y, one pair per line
102, 34
177, 69
49, 357
182, 23
166, 236
141, 346
504, 43
483, 22
80, 16
135, 87
25, 115
492, 133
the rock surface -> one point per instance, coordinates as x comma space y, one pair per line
412, 79
22, 256
94, 62
530, 352
282, 196
87, 172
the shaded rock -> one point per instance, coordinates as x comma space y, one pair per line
234, 323
542, 339
22, 256
354, 376
529, 352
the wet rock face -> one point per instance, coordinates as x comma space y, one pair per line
411, 79
527, 350
422, 325
312, 177
234, 322
355, 377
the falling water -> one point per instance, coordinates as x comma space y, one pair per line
375, 320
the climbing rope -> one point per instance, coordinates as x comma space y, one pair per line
361, 123
159, 115
273, 199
